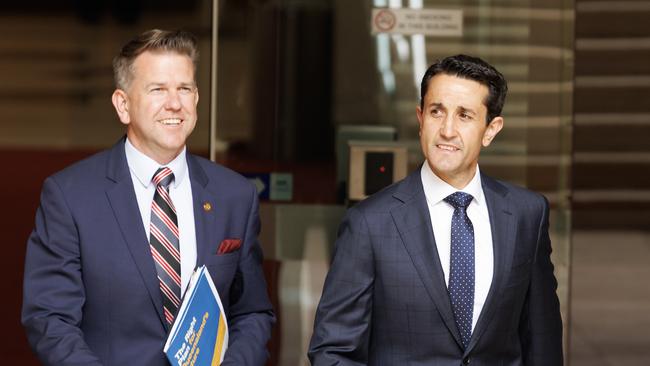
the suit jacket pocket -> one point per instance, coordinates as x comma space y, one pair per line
222, 259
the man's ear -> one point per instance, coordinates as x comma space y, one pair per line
418, 112
492, 130
121, 103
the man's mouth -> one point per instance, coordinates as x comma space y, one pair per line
170, 121
447, 147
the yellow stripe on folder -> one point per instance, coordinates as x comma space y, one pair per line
218, 346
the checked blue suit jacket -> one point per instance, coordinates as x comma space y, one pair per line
385, 301
91, 293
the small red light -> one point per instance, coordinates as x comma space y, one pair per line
382, 169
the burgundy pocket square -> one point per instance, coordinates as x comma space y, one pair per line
228, 246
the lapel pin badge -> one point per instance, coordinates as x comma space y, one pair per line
207, 207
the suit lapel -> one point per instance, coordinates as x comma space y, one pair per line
503, 235
205, 209
414, 226
125, 208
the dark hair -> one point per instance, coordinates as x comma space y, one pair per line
177, 41
472, 68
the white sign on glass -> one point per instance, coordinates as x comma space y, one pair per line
429, 22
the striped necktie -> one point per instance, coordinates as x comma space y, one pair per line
163, 240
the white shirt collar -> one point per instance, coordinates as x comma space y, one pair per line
436, 189
143, 167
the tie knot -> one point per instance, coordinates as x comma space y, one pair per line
459, 199
163, 176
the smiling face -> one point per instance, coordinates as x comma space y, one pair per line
159, 105
453, 127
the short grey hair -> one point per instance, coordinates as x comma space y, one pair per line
178, 41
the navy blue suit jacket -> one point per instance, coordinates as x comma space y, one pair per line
385, 301
91, 294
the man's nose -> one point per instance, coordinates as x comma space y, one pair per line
173, 101
447, 127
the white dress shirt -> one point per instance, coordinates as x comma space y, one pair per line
435, 190
142, 169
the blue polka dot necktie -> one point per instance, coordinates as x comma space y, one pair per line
461, 272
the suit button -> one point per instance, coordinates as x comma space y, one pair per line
466, 361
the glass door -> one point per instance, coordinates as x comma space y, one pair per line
296, 78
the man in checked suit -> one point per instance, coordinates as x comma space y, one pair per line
95, 290
447, 267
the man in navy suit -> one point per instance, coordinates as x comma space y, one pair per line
447, 267
93, 293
